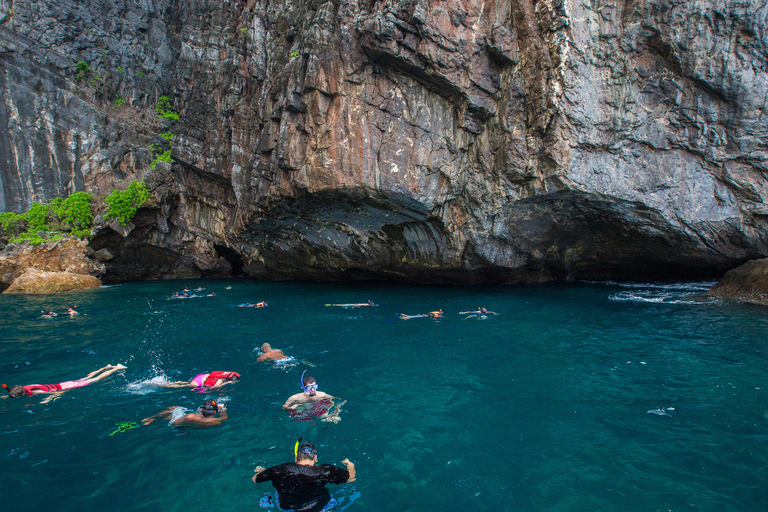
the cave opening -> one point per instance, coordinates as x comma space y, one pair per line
232, 257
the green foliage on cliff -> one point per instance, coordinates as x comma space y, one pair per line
122, 204
51, 220
163, 107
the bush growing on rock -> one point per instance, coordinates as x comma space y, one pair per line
122, 204
51, 220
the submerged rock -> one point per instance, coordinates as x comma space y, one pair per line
40, 282
747, 283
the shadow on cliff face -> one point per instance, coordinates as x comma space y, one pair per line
571, 235
554, 237
353, 235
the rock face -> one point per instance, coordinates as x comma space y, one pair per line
66, 255
40, 282
450, 141
747, 283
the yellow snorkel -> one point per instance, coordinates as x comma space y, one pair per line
296, 447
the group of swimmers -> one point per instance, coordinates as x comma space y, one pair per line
300, 485
480, 312
49, 313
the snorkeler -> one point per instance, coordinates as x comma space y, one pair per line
272, 354
34, 389
354, 305
312, 404
301, 484
71, 310
206, 380
309, 393
431, 314
47, 313
209, 414
261, 304
479, 312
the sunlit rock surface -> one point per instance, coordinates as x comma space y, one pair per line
747, 283
451, 141
41, 282
66, 255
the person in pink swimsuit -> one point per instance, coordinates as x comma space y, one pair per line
206, 380
34, 389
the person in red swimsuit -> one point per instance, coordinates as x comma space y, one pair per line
34, 389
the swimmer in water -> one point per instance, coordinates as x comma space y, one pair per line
47, 313
206, 380
35, 389
271, 354
71, 310
261, 304
301, 485
431, 314
309, 393
209, 414
479, 312
357, 305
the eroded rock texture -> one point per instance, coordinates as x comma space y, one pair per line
442, 141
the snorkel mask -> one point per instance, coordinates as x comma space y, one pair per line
309, 389
209, 408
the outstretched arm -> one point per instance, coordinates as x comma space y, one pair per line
257, 472
351, 468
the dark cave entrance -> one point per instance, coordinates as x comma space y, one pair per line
232, 257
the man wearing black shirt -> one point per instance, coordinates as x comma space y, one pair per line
301, 485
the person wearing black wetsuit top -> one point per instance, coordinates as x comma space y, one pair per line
301, 485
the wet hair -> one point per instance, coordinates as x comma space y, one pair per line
16, 391
209, 408
309, 380
306, 451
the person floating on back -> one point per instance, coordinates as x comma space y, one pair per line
34, 389
206, 380
479, 312
209, 414
301, 485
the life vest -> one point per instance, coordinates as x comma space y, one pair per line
46, 388
214, 376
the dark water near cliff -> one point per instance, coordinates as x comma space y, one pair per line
544, 407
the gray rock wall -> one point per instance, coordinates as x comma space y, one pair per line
446, 141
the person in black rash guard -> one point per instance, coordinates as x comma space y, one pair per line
301, 485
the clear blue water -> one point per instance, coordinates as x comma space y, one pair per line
544, 407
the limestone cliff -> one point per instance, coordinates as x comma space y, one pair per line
437, 141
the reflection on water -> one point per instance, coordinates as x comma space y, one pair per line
573, 398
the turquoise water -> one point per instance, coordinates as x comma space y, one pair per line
543, 407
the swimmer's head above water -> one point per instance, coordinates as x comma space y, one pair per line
306, 451
266, 347
308, 384
209, 408
16, 391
